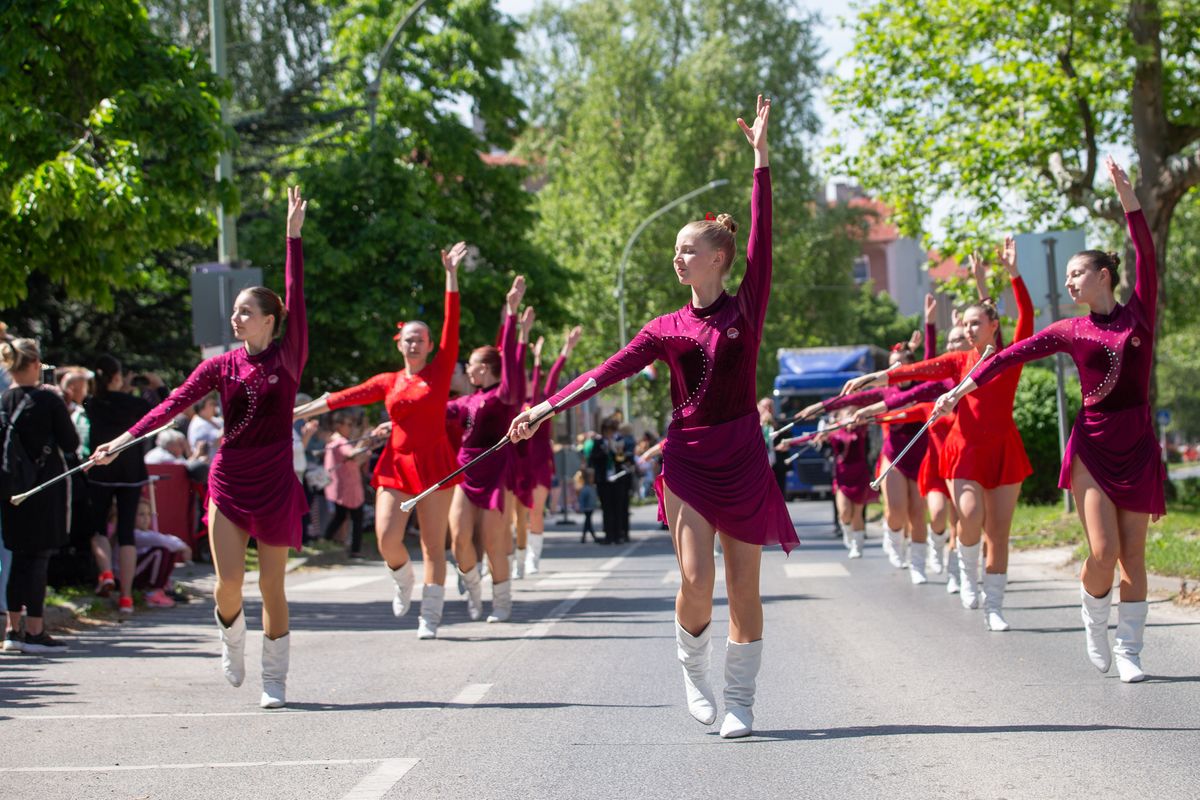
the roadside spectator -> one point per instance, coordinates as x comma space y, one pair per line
156, 553
344, 463
37, 527
205, 426
170, 447
585, 486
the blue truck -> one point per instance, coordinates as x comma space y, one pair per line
806, 376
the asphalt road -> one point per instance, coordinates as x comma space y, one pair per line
870, 688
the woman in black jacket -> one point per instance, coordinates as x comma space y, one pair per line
111, 412
37, 527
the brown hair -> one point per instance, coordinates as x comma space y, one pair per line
17, 354
1101, 260
268, 303
490, 356
988, 306
718, 234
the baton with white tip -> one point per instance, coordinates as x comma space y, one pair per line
17, 499
409, 504
987, 353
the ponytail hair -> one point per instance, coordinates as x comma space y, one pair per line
1102, 260
269, 303
490, 357
107, 367
17, 354
717, 232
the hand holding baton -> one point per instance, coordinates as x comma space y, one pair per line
17, 499
411, 503
932, 418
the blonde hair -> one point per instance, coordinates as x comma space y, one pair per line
717, 233
17, 354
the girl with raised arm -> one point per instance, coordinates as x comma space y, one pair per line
520, 473
418, 452
1112, 463
716, 476
985, 457
479, 501
252, 488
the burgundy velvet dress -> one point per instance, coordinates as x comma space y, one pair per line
714, 457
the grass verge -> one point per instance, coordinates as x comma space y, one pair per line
1172, 547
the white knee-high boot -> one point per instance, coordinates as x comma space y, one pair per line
742, 662
472, 581
857, 539
1127, 652
937, 551
233, 647
1095, 612
968, 574
533, 561
275, 657
501, 602
433, 598
893, 545
405, 581
518, 563
694, 654
916, 563
952, 572
993, 601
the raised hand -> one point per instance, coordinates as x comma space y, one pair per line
537, 349
1006, 254
296, 208
451, 259
1120, 181
930, 309
572, 339
810, 411
513, 298
756, 134
979, 269
914, 341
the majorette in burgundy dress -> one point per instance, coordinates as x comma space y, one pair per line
851, 470
251, 479
714, 457
984, 444
419, 452
537, 467
1113, 435
485, 415
896, 435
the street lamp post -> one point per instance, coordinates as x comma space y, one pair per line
619, 292
1059, 367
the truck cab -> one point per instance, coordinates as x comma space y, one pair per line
806, 376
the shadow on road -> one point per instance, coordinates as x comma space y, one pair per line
865, 731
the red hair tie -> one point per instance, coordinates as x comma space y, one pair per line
899, 346
710, 216
399, 330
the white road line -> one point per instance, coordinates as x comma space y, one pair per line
471, 694
337, 583
563, 608
204, 765
816, 569
381, 779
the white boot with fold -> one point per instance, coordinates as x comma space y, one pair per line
405, 581
857, 539
1095, 612
275, 657
533, 559
742, 662
433, 599
937, 551
694, 653
501, 602
916, 564
233, 647
893, 545
993, 601
1127, 652
518, 563
472, 581
952, 570
968, 574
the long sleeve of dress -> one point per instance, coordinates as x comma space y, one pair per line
512, 371
947, 365
202, 381
447, 355
755, 289
372, 390
535, 385
1025, 312
921, 393
552, 377
1056, 338
930, 340
295, 337
855, 400
1145, 287
645, 349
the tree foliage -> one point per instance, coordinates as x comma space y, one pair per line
111, 139
633, 104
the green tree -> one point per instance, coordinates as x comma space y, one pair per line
1006, 107
633, 104
111, 138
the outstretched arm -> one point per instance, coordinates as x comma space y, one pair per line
755, 289
295, 338
1145, 287
561, 362
930, 326
512, 371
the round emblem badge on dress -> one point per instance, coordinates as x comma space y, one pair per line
272, 379
1136, 341
733, 333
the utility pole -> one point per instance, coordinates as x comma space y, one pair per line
1059, 366
227, 252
